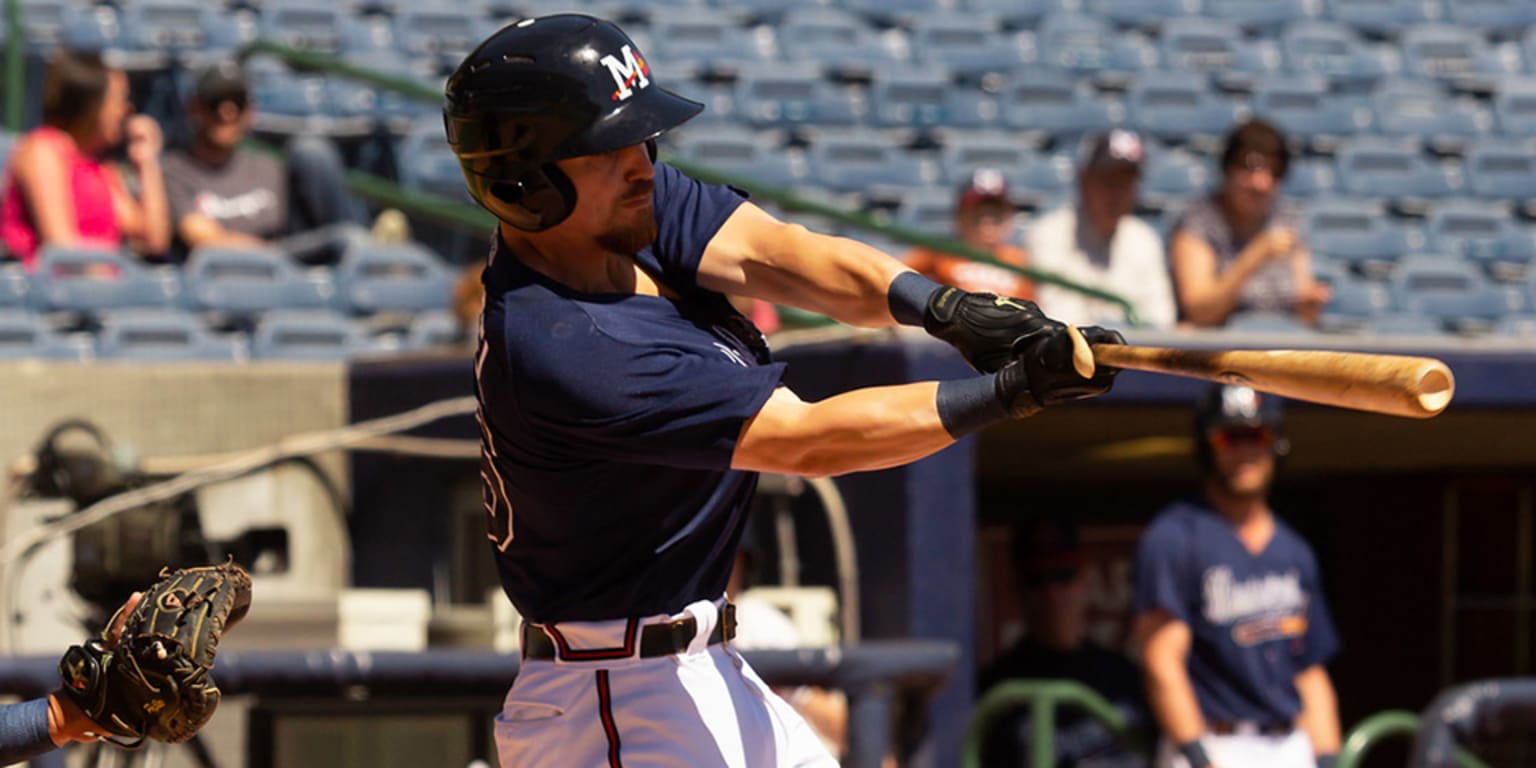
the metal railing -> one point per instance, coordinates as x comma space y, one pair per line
1042, 698
1383, 725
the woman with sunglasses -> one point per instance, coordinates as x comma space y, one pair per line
1239, 249
60, 187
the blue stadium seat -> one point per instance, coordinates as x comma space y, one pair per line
150, 334
1043, 181
249, 281
1266, 322
1519, 325
831, 38
1514, 106
792, 94
855, 160
426, 163
1087, 46
970, 45
1380, 17
1334, 51
930, 211
1452, 53
368, 33
1358, 232
709, 36
964, 153
1453, 291
772, 11
1502, 168
734, 149
1177, 107
91, 28
1499, 18
308, 26
15, 286
307, 335
1483, 232
1140, 13
24, 335
1172, 177
1392, 169
911, 99
433, 329
445, 32
91, 280
1406, 324
1423, 109
1353, 303
164, 25
1262, 15
1309, 177
893, 12
292, 104
378, 277
1303, 105
1210, 45
44, 22
1053, 104
1019, 14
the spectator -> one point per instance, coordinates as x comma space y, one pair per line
1239, 249
1051, 573
1097, 242
985, 220
222, 194
60, 189
1231, 618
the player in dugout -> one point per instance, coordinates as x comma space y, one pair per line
626, 408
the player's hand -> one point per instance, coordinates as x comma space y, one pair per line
1043, 375
987, 329
144, 139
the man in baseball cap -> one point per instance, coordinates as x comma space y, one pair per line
1098, 242
984, 218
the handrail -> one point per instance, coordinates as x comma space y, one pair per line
1042, 697
782, 197
1391, 723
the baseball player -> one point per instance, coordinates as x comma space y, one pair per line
625, 406
1231, 616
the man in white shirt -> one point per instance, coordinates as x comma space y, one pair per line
1098, 242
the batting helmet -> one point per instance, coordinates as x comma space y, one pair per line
547, 89
1229, 405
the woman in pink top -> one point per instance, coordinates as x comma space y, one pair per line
59, 189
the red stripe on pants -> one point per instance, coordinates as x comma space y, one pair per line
605, 708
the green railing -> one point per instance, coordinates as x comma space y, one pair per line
1042, 698
1392, 723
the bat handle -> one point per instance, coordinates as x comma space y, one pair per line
1082, 355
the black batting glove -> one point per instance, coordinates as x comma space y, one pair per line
1042, 375
987, 329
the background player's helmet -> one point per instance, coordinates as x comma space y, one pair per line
1229, 405
547, 89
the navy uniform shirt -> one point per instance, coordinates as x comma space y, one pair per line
608, 424
1255, 620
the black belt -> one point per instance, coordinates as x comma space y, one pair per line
1277, 728
664, 639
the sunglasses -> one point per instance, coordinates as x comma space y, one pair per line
1231, 437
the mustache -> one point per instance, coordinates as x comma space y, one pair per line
640, 188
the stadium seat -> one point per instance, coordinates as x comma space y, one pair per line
1266, 322
1423, 109
831, 38
91, 28
1087, 46
15, 286
855, 160
736, 150
311, 27
426, 163
1173, 177
911, 99
45, 21
379, 277
970, 45
1262, 15
1406, 324
1395, 169
165, 25
930, 211
307, 335
1140, 13
1497, 17
1514, 106
1176, 107
1453, 291
1519, 325
1019, 14
437, 328
437, 32
291, 104
1483, 232
85, 279
893, 12
1043, 181
368, 33
792, 94
964, 153
1502, 168
249, 281
1353, 303
1054, 105
1309, 177
1303, 105
24, 335
772, 11
149, 334
1334, 51
1211, 45
1358, 232
709, 36
1380, 17
1452, 53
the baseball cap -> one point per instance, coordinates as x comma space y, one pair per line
221, 82
984, 185
1047, 550
1115, 149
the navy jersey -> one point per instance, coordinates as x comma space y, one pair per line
1255, 620
608, 424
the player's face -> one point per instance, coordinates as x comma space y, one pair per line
613, 198
1244, 458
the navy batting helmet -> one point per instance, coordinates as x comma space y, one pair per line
547, 89
1229, 405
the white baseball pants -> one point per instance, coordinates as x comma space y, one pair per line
698, 709
1293, 750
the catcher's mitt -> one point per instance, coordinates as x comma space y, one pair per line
154, 682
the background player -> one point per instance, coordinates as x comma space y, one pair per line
1231, 616
625, 405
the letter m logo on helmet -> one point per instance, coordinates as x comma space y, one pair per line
629, 71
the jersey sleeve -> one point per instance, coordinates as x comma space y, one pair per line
1160, 571
645, 405
1321, 641
688, 214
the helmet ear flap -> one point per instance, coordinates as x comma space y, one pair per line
533, 202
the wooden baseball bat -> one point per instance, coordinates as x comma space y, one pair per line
1397, 385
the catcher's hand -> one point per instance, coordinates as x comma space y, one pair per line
154, 681
987, 329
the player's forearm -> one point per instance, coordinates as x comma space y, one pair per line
865, 429
835, 276
1173, 702
1319, 710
